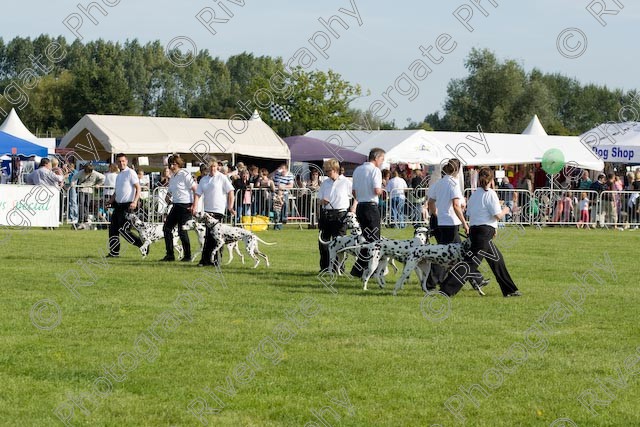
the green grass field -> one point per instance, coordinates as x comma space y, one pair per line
143, 343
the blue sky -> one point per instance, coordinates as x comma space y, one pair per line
376, 53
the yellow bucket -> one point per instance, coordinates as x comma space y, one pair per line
255, 222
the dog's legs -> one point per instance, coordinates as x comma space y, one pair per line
256, 250
406, 272
230, 247
144, 249
395, 267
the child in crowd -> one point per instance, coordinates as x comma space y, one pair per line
278, 202
584, 212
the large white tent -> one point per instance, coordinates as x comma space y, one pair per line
14, 126
472, 148
615, 142
107, 135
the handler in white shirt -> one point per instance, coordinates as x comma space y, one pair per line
367, 186
217, 194
180, 194
335, 199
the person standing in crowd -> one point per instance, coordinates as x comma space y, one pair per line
396, 190
444, 203
484, 213
508, 196
609, 213
367, 187
584, 211
87, 181
124, 199
70, 172
266, 188
180, 194
283, 180
334, 195
217, 194
584, 183
44, 175
243, 187
110, 180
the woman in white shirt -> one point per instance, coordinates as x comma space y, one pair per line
484, 212
180, 194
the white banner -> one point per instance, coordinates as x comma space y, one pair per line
29, 206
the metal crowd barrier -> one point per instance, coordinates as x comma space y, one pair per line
401, 208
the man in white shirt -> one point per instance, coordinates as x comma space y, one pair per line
125, 198
367, 186
396, 189
180, 194
217, 193
335, 199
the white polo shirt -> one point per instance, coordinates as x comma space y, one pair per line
214, 190
443, 192
337, 193
396, 187
180, 187
366, 178
125, 182
482, 207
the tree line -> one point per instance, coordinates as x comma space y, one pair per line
104, 77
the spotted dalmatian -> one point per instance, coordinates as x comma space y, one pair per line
383, 251
199, 225
227, 234
150, 232
423, 256
338, 245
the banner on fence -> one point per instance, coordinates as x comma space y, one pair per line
29, 206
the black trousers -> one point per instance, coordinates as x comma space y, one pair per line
210, 243
369, 218
444, 235
482, 247
179, 215
331, 224
120, 225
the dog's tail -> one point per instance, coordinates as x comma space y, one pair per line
360, 246
266, 243
322, 241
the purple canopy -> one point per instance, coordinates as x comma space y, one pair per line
305, 149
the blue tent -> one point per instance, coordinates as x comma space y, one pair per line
23, 148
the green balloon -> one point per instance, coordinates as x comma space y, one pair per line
552, 161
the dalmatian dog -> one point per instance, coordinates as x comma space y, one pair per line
150, 232
200, 227
340, 246
446, 256
384, 251
227, 234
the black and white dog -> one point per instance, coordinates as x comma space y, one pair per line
384, 251
447, 256
151, 232
340, 246
226, 234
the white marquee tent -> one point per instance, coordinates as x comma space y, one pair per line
163, 135
14, 126
615, 142
472, 148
